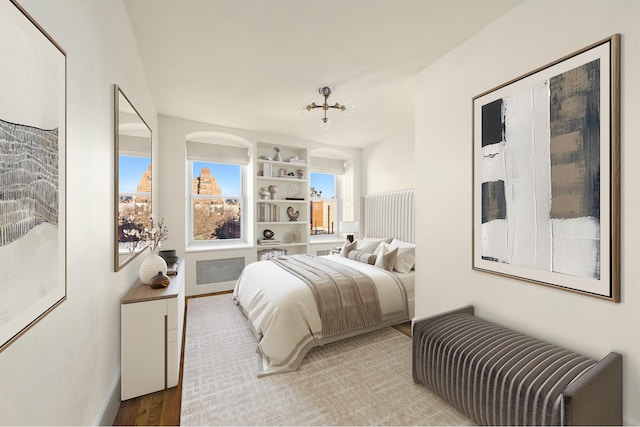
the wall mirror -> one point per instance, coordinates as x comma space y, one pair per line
133, 182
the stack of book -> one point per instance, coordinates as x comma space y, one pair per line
267, 169
265, 255
268, 242
268, 212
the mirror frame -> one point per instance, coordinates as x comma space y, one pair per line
118, 265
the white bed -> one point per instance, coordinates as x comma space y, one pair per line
282, 309
285, 318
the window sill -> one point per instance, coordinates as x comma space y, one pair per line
209, 247
317, 240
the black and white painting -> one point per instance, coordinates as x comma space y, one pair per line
32, 173
544, 154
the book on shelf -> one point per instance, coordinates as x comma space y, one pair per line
267, 169
272, 253
268, 212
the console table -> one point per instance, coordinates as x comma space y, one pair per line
152, 323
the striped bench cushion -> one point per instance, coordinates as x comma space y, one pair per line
495, 375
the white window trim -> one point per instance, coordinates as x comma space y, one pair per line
324, 238
203, 245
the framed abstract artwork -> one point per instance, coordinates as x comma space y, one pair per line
546, 174
32, 173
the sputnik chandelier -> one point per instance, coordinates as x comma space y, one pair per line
326, 91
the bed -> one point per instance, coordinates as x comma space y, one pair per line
290, 302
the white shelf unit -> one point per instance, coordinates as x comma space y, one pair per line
291, 180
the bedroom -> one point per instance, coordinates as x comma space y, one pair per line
80, 339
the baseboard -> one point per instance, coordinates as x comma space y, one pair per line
110, 405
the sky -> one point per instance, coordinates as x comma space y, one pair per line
324, 182
227, 176
130, 170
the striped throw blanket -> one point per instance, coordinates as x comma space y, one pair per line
347, 299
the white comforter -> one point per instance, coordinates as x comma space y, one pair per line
283, 312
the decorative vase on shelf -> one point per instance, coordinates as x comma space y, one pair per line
273, 189
160, 280
150, 267
264, 193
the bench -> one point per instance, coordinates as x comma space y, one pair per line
497, 376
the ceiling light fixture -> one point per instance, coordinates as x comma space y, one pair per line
326, 91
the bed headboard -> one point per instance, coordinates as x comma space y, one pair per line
390, 215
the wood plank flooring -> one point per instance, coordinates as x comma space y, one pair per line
163, 407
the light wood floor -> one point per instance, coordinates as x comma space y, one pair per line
163, 407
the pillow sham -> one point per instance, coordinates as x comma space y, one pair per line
402, 244
385, 257
366, 257
405, 259
369, 244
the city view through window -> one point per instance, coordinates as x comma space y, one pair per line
216, 201
134, 206
323, 204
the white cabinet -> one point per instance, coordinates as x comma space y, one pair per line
152, 324
288, 180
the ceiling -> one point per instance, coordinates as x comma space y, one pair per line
251, 64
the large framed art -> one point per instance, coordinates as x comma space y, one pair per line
546, 174
32, 173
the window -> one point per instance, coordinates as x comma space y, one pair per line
217, 192
324, 204
216, 201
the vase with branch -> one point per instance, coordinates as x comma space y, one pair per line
152, 237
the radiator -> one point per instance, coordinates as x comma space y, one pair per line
497, 376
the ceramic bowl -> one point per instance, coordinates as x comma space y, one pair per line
168, 252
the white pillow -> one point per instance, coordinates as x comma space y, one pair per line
347, 247
369, 244
405, 259
401, 244
385, 256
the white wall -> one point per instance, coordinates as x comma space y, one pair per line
390, 165
173, 201
66, 369
533, 34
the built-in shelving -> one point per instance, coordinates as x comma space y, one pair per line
276, 180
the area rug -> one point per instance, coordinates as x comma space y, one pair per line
365, 380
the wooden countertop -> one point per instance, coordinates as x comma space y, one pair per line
141, 292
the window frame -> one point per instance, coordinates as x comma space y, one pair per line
213, 243
337, 182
